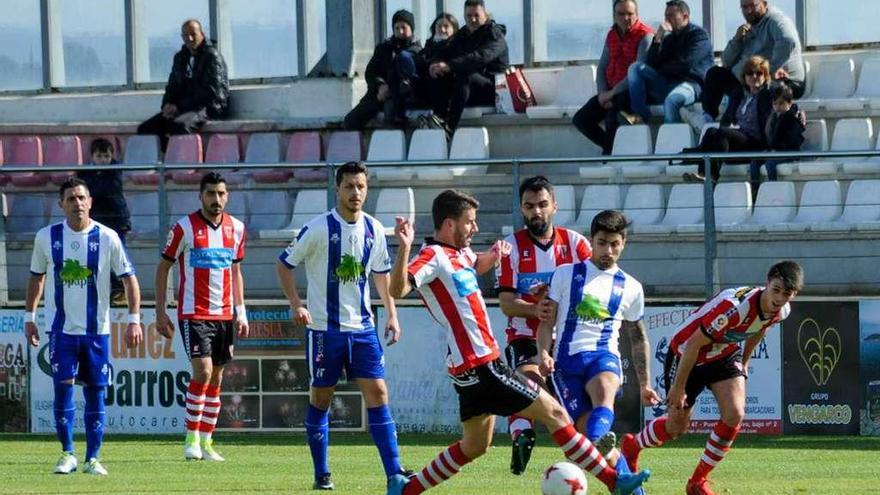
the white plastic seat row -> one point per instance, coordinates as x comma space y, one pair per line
576, 85
468, 143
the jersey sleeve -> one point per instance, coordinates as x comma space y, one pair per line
506, 278
380, 260
635, 311
174, 244
582, 248
299, 249
119, 260
559, 284
718, 320
239, 252
423, 268
40, 255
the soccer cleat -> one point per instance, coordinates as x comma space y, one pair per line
208, 452
622, 467
94, 467
629, 483
396, 484
698, 487
522, 451
323, 482
606, 443
66, 463
629, 449
192, 451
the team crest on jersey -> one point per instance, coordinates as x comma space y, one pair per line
720, 322
93, 246
57, 245
579, 278
562, 251
227, 229
334, 238
75, 245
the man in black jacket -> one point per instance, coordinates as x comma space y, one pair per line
390, 76
464, 73
197, 89
677, 61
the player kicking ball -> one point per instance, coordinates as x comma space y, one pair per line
591, 303
445, 274
705, 353
80, 253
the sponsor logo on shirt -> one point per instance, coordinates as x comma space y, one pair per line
74, 275
528, 280
465, 282
210, 258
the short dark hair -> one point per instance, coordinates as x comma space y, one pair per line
536, 184
474, 3
70, 183
783, 92
609, 221
451, 203
680, 5
789, 273
445, 16
101, 145
618, 2
350, 168
210, 178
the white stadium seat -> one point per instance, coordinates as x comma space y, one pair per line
267, 209
684, 212
429, 144
644, 204
469, 143
833, 83
388, 145
733, 203
815, 139
776, 204
672, 139
868, 89
394, 202
597, 198
636, 140
854, 135
565, 215
861, 211
577, 84
308, 204
820, 202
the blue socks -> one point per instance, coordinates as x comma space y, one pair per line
599, 423
384, 435
64, 414
94, 419
318, 433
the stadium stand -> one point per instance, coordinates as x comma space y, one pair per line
575, 86
60, 151
24, 151
388, 145
142, 150
185, 150
776, 203
429, 144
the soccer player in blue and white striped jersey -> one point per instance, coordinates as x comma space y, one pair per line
79, 255
340, 249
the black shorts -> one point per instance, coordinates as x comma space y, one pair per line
493, 388
702, 375
208, 338
520, 352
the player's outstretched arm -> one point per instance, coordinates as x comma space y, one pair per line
134, 334
34, 293
163, 324
489, 259
641, 356
392, 327
287, 278
676, 396
405, 233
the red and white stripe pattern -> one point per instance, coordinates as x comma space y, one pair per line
654, 434
579, 450
211, 411
729, 318
717, 446
530, 263
195, 405
447, 283
446, 465
205, 254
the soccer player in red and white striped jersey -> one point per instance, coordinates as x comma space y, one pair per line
445, 275
522, 279
706, 353
208, 245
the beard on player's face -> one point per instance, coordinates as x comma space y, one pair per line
538, 226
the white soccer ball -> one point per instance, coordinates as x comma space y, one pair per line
563, 478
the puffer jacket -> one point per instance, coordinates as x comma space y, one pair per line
483, 51
207, 89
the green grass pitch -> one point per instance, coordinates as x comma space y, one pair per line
264, 463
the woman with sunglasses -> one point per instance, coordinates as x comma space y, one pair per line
749, 111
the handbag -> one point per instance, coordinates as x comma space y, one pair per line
520, 91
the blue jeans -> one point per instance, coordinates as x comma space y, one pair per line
644, 81
755, 170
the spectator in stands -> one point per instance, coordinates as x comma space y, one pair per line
627, 41
680, 55
390, 76
756, 105
768, 33
197, 89
464, 72
104, 183
443, 29
784, 131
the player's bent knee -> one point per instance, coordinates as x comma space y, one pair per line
473, 449
733, 418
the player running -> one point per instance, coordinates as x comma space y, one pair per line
208, 246
80, 253
444, 272
340, 249
522, 279
705, 353
591, 303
